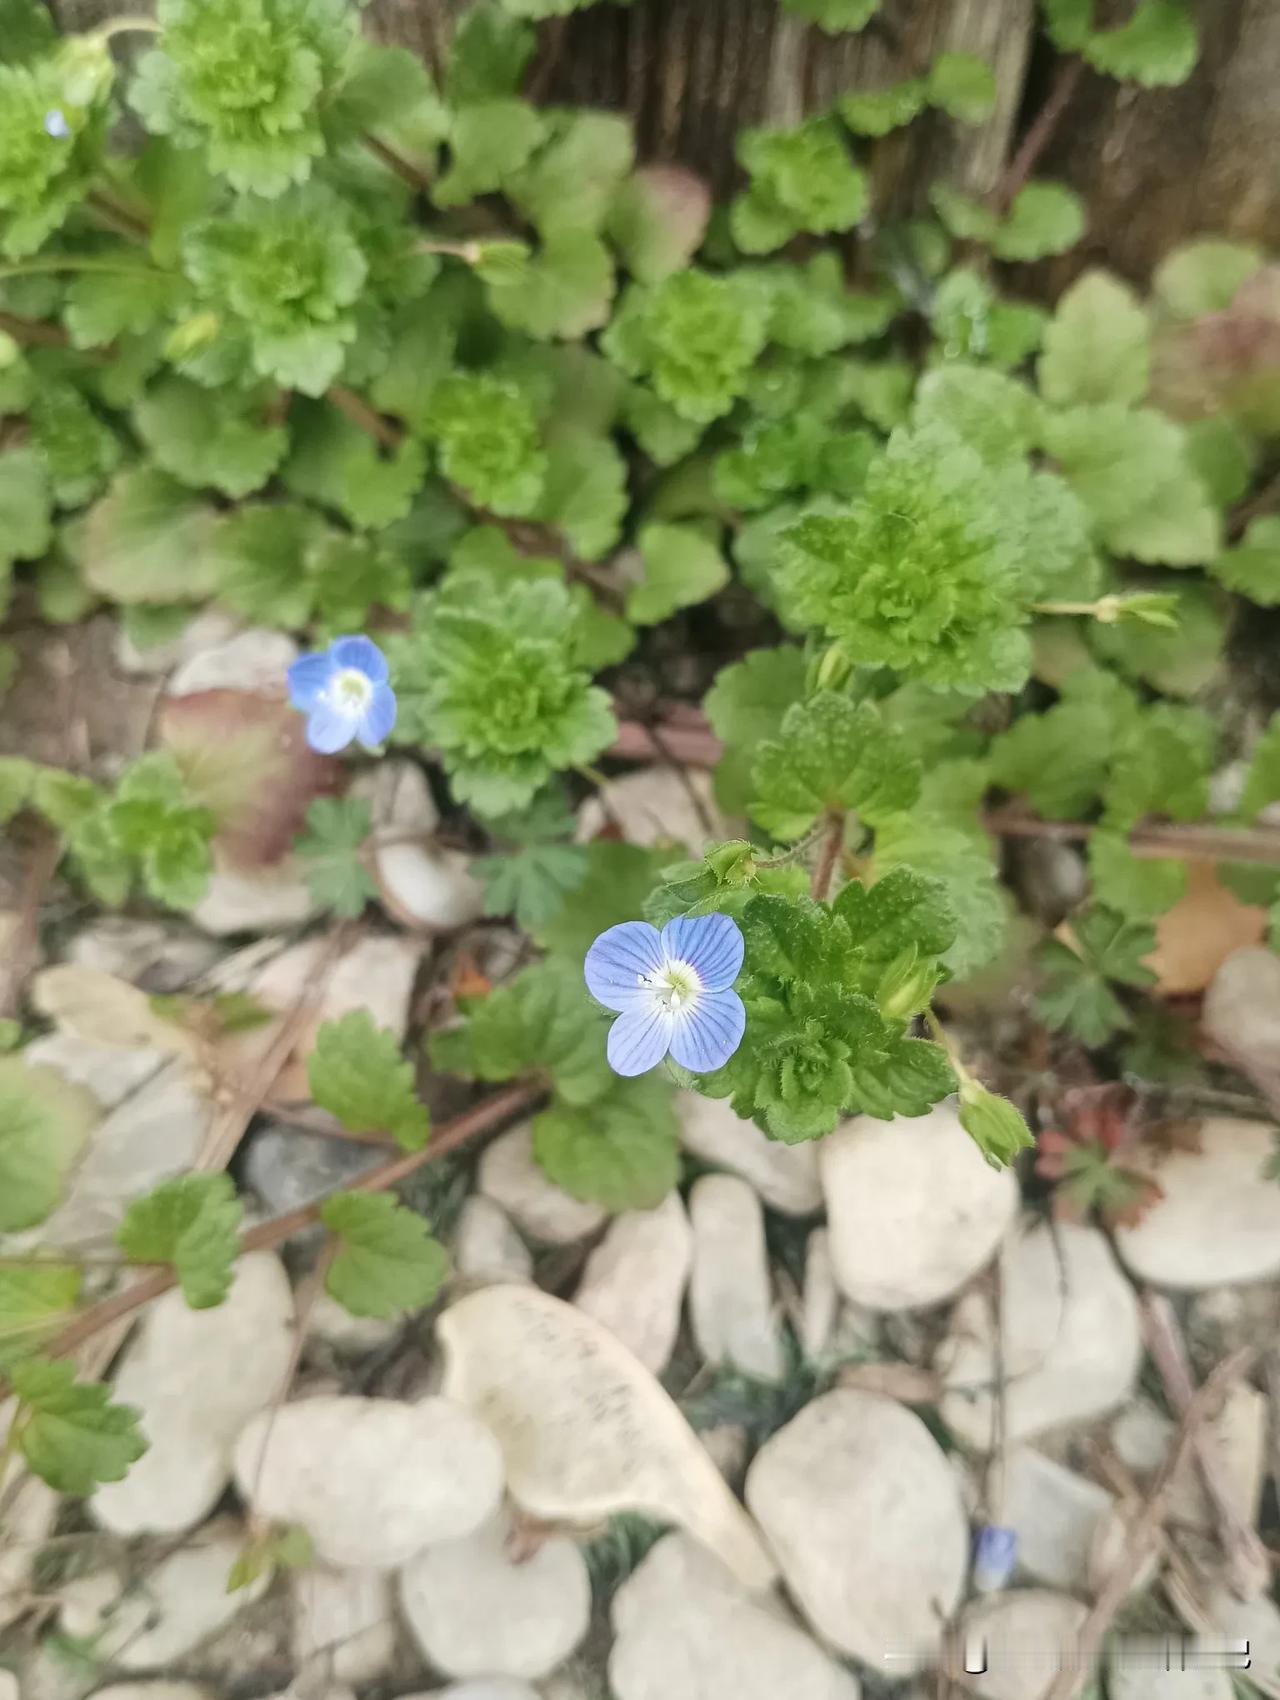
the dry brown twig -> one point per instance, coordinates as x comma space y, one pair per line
449, 1136
1248, 1568
1143, 1531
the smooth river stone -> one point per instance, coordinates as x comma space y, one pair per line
730, 1295
372, 1481
864, 1513
1024, 1635
1072, 1339
343, 1623
686, 1630
475, 1611
1218, 1221
509, 1174
585, 1430
634, 1280
785, 1176
197, 1377
913, 1210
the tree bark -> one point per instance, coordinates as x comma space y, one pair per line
1154, 166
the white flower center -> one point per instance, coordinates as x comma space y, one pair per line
676, 986
350, 690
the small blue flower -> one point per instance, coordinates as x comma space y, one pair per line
55, 124
343, 692
995, 1552
672, 991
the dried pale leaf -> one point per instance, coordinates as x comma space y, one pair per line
95, 1006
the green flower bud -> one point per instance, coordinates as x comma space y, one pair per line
994, 1124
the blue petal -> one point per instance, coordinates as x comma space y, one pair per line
363, 654
709, 1032
378, 719
330, 729
309, 675
639, 1038
711, 944
617, 960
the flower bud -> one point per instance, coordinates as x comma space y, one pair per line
995, 1553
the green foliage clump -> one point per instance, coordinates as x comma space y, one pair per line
247, 80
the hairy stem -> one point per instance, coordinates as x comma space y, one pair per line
132, 24
825, 866
404, 169
360, 413
1041, 133
449, 1136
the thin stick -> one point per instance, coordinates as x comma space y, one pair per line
1143, 1532
820, 884
1041, 132
403, 168
449, 1137
23, 944
1247, 1566
359, 412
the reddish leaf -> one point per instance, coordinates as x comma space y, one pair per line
246, 757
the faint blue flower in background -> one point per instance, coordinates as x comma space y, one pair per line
995, 1552
55, 124
343, 692
672, 991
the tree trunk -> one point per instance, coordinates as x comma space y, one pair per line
1154, 166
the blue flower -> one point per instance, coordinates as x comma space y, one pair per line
55, 124
343, 692
995, 1552
672, 991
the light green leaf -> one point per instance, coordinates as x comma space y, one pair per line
542, 1021
1096, 346
487, 57
1142, 887
963, 86
585, 491
832, 754
618, 879
996, 1126
573, 179
1156, 48
358, 1074
1253, 566
531, 883
337, 879
489, 144
874, 112
210, 437
25, 521
36, 1299
833, 16
261, 555
44, 1122
1262, 782
70, 1433
996, 415
192, 1223
1204, 275
340, 466
681, 567
16, 779
387, 1261
1045, 218
563, 291
621, 1151
1068, 22
658, 219
149, 540
104, 306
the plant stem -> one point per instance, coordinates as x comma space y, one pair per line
78, 263
128, 25
403, 168
1090, 608
449, 1136
472, 252
825, 866
360, 413
109, 212
1040, 134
